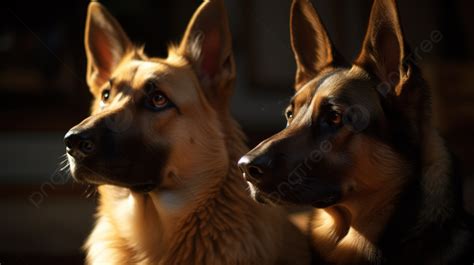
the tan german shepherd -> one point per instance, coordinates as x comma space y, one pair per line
163, 148
360, 147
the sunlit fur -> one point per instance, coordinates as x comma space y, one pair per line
206, 216
201, 213
346, 233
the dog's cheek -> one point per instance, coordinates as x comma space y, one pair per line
374, 164
183, 154
344, 166
172, 175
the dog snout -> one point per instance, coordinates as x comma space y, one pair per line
79, 143
254, 169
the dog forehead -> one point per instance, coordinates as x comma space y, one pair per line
172, 78
137, 72
331, 84
321, 85
343, 86
352, 89
346, 85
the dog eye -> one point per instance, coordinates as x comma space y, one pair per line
158, 101
334, 118
289, 114
105, 94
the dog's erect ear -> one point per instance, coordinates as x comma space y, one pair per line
207, 44
312, 47
383, 51
106, 43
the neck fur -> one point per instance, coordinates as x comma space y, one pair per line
348, 233
180, 224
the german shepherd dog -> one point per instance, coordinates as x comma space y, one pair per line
163, 149
359, 146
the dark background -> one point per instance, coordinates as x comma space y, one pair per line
44, 217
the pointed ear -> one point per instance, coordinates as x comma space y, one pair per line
312, 47
383, 51
106, 43
207, 44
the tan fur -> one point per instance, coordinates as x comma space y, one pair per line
201, 212
361, 142
348, 232
206, 217
345, 233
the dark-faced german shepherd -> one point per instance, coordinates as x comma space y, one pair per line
359, 146
163, 148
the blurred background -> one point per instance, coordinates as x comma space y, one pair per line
44, 217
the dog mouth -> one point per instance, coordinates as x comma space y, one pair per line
327, 201
262, 197
138, 187
84, 174
274, 198
144, 188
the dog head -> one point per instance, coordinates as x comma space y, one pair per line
345, 123
155, 121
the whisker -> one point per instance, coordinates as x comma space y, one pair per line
90, 191
66, 166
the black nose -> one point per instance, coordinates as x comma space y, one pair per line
79, 144
254, 168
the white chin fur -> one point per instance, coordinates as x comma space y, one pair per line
72, 163
253, 190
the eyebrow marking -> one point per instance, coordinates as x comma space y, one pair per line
325, 78
134, 73
318, 84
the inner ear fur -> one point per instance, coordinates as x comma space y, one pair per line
384, 49
106, 44
310, 42
207, 44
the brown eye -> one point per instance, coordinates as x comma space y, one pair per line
289, 114
105, 94
334, 118
159, 100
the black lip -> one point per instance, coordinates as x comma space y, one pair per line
82, 175
144, 188
260, 198
75, 154
266, 198
326, 202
